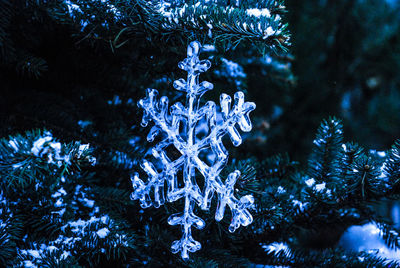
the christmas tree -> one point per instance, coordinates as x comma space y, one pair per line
73, 73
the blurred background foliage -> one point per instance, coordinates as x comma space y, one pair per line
347, 56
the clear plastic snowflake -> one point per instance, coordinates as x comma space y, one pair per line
178, 128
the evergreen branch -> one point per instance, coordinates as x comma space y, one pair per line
389, 232
325, 160
174, 23
351, 153
391, 169
365, 182
31, 66
36, 155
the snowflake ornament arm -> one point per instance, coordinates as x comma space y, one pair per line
168, 124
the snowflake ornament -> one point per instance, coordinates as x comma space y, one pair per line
178, 128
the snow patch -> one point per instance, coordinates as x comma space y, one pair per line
276, 248
208, 48
281, 190
103, 232
13, 143
310, 182
59, 193
320, 187
59, 203
72, 8
230, 69
87, 202
301, 205
34, 253
38, 144
82, 148
60, 212
65, 255
381, 154
367, 238
256, 12
29, 264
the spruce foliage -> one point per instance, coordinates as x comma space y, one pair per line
71, 74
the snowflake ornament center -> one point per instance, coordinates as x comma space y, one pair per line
167, 124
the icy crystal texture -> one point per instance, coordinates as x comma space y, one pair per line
177, 128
